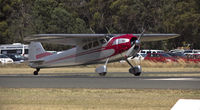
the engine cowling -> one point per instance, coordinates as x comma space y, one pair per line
135, 48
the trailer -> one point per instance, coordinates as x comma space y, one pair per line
15, 48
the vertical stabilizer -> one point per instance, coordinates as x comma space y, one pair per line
36, 51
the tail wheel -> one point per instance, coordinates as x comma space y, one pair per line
35, 72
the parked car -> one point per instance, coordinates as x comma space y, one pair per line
5, 59
177, 51
193, 58
178, 55
159, 57
17, 58
139, 56
190, 52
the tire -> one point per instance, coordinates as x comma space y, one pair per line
35, 73
102, 74
137, 74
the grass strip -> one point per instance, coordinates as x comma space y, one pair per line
91, 99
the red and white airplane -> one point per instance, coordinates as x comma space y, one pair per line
89, 49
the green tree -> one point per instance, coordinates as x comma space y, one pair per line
5, 12
184, 18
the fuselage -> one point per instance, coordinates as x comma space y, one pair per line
91, 52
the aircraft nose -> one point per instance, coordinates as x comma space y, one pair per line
134, 41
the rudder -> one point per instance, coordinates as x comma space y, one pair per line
36, 51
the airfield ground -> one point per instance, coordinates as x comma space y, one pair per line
94, 99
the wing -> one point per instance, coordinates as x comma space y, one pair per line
156, 37
64, 39
76, 39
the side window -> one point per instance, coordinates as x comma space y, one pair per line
142, 51
148, 52
90, 45
19, 51
85, 47
26, 51
95, 43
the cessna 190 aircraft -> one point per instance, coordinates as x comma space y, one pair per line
89, 49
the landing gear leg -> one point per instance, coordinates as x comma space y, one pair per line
36, 72
102, 70
136, 70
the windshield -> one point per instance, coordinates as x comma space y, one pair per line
188, 51
18, 56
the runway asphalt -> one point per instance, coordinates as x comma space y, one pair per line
92, 80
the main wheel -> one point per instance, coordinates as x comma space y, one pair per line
137, 74
102, 74
35, 72
134, 71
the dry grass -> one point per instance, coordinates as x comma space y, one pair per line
149, 64
146, 64
112, 67
92, 99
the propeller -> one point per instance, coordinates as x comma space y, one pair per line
135, 46
142, 34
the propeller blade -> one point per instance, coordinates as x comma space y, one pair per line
142, 34
129, 52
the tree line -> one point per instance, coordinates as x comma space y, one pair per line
20, 18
